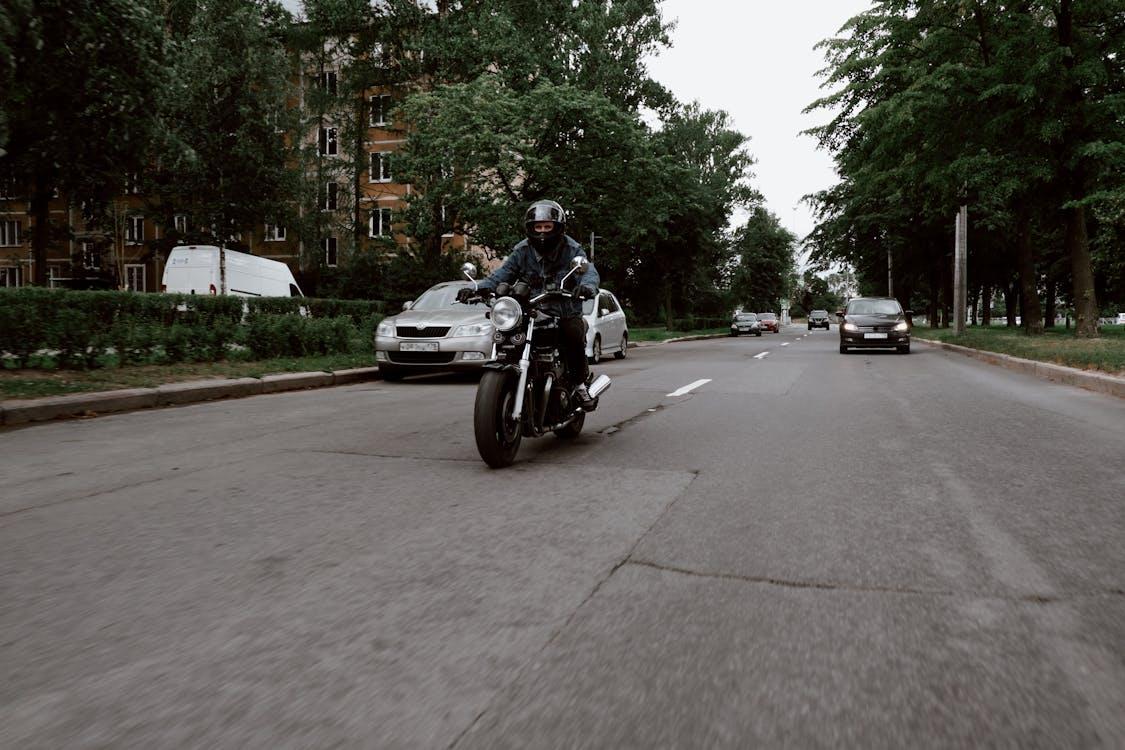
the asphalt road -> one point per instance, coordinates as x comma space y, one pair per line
809, 549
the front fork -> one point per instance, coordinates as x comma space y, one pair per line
525, 367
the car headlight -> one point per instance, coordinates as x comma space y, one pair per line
851, 327
902, 326
386, 328
473, 329
506, 314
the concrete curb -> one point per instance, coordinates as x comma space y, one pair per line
1100, 382
24, 411
701, 337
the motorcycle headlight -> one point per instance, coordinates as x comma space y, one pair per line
386, 328
851, 327
473, 329
902, 326
506, 314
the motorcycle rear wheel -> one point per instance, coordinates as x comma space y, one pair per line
498, 436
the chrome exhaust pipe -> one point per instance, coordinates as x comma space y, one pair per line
599, 386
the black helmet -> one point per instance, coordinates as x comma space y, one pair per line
545, 243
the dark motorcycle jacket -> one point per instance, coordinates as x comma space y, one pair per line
526, 264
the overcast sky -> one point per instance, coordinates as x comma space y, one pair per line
755, 60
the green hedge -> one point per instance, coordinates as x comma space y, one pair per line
85, 329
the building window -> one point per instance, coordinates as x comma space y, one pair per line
9, 233
380, 225
274, 233
329, 198
179, 221
330, 252
9, 276
134, 230
380, 108
135, 277
328, 81
329, 142
380, 166
91, 258
8, 188
133, 183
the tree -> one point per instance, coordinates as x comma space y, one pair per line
765, 260
88, 67
942, 102
225, 152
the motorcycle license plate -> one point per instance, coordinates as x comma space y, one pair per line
418, 346
874, 335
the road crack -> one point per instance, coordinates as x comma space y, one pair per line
789, 583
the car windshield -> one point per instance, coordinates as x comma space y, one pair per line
874, 307
820, 313
766, 316
440, 298
751, 317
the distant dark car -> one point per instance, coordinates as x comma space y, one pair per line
769, 322
745, 323
818, 319
874, 322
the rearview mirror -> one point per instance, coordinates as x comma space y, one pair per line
839, 313
580, 264
407, 305
469, 270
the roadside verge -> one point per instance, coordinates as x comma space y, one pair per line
24, 411
1100, 382
14, 412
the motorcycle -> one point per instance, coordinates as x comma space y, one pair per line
523, 392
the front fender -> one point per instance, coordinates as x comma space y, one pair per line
502, 366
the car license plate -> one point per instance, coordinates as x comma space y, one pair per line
420, 346
874, 335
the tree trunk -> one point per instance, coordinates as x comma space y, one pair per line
986, 306
1078, 248
932, 311
947, 293
1031, 314
669, 320
358, 167
41, 232
1011, 304
1049, 315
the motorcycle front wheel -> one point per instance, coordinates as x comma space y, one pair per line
498, 435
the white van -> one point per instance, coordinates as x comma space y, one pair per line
194, 269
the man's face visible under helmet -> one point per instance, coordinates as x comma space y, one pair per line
545, 223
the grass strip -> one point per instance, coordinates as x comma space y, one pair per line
1106, 353
663, 334
39, 383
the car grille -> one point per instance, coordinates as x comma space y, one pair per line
415, 332
421, 358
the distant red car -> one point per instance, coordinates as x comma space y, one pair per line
769, 322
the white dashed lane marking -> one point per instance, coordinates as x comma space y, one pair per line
763, 355
689, 387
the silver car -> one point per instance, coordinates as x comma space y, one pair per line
434, 333
606, 328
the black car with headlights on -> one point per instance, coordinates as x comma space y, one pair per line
874, 322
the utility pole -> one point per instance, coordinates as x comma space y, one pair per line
890, 276
960, 251
592, 238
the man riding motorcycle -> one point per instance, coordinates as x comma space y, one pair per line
545, 258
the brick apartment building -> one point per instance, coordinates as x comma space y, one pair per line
80, 254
